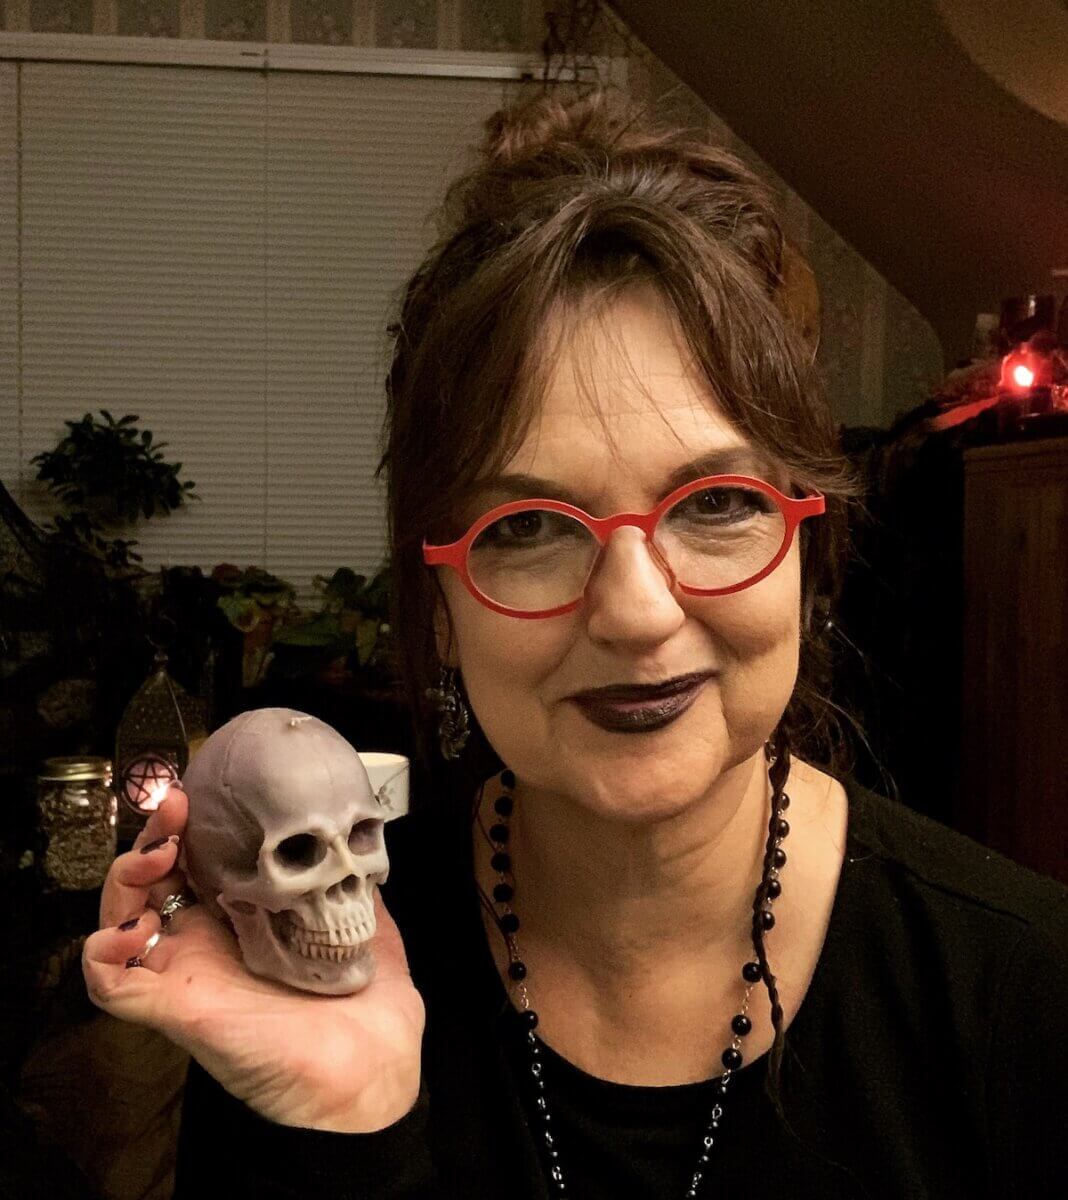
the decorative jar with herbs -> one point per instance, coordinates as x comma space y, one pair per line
77, 813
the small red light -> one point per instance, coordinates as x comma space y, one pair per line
1024, 368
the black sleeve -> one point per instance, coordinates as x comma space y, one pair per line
226, 1148
1027, 1083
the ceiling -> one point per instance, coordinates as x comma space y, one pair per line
927, 149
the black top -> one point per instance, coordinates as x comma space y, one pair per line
927, 1059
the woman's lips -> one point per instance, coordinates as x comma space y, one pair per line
639, 716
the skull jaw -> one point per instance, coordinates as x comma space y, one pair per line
265, 954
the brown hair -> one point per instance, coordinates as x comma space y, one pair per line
566, 197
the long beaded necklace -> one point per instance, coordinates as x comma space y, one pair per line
508, 921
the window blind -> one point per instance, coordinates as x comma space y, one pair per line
355, 165
9, 403
220, 252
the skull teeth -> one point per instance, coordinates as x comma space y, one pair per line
331, 944
328, 953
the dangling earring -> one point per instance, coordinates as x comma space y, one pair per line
453, 729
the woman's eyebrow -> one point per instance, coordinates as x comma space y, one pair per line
727, 460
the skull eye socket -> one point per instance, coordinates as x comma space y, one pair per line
363, 838
301, 851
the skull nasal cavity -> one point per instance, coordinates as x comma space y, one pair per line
301, 851
347, 887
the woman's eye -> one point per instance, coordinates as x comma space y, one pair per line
533, 529
517, 527
730, 502
524, 525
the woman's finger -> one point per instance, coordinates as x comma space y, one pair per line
122, 968
169, 818
134, 938
132, 875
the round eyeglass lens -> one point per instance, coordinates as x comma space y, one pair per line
719, 537
532, 560
538, 559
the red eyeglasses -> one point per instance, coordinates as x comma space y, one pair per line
711, 537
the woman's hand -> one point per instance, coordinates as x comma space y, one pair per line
342, 1063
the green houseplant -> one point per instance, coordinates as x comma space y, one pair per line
349, 635
108, 474
254, 602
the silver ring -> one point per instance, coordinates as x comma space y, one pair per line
172, 904
138, 960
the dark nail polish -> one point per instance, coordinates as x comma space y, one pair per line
126, 926
154, 845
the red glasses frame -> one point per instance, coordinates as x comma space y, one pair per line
794, 511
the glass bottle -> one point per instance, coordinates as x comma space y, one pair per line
77, 814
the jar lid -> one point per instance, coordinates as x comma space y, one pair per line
76, 767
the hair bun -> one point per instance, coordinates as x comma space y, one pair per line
547, 146
546, 123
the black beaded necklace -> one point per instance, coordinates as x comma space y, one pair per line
768, 890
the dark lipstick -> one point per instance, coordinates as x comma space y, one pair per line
641, 708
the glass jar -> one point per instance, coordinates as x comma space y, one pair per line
77, 814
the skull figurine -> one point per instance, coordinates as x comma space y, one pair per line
285, 843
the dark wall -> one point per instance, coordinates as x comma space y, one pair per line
952, 189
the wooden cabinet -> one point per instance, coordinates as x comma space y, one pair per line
1014, 705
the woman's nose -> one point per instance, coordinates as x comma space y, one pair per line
631, 593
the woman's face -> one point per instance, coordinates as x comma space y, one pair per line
632, 627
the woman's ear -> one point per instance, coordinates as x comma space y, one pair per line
443, 638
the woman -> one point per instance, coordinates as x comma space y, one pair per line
643, 947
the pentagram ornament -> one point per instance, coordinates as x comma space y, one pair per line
153, 739
145, 781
